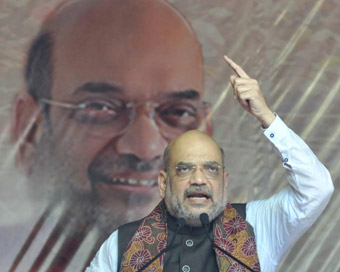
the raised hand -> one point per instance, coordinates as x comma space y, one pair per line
249, 95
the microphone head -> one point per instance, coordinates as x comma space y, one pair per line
204, 219
181, 222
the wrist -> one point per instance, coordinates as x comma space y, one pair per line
267, 119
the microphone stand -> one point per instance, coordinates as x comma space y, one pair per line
180, 224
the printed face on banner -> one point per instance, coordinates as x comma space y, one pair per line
121, 90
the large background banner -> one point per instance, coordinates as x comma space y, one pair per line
86, 115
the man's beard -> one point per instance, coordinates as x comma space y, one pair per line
177, 208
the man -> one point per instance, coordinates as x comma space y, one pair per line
194, 182
88, 54
109, 84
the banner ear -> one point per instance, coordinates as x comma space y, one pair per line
206, 125
26, 131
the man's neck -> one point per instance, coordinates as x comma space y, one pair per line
190, 230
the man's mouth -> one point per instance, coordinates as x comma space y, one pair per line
124, 171
130, 182
198, 196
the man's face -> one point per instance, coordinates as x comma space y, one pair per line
141, 82
195, 182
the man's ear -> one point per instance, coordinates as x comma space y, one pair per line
226, 178
26, 131
162, 178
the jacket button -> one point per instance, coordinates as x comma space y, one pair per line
185, 268
189, 243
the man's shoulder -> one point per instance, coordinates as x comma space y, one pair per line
130, 225
240, 208
125, 233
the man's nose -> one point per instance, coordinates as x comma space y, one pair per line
142, 138
198, 177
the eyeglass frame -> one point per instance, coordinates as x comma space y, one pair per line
195, 166
204, 105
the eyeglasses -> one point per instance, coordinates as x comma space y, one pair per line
211, 171
107, 118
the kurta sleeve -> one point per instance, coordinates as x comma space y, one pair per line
282, 219
106, 259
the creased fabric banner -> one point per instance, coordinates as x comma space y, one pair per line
86, 115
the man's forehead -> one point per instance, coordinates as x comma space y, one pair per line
124, 17
143, 52
196, 147
196, 159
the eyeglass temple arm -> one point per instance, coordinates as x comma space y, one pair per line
61, 104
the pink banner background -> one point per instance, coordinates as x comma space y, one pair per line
291, 47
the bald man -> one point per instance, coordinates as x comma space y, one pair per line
193, 187
109, 83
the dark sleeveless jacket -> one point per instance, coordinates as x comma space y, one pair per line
187, 247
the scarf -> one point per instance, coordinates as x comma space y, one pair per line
231, 233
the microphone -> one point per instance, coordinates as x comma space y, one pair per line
205, 222
180, 224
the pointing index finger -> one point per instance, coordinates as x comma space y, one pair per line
236, 68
